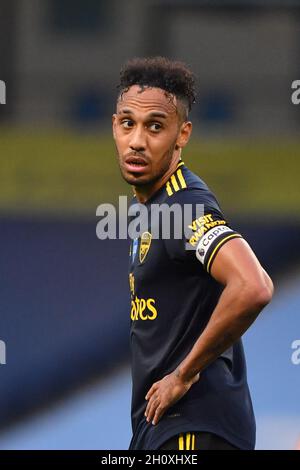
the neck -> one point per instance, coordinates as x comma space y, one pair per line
143, 193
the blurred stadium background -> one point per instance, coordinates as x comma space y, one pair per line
63, 293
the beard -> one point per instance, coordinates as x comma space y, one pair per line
150, 178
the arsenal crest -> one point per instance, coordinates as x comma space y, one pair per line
146, 238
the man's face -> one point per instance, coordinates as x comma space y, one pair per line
146, 127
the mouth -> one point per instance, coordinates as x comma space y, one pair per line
135, 164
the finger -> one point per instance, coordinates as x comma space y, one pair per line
148, 408
152, 409
149, 404
151, 391
158, 414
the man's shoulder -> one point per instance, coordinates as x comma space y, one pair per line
193, 190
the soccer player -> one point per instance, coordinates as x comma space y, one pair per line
192, 297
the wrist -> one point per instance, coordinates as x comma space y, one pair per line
186, 376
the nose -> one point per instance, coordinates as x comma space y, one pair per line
138, 139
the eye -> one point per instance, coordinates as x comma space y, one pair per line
127, 123
155, 127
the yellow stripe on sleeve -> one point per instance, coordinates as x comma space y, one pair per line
181, 442
181, 179
188, 441
174, 183
169, 190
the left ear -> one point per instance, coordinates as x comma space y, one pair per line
114, 117
184, 134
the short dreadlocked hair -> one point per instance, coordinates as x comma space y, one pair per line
174, 77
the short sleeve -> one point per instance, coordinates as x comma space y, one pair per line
204, 229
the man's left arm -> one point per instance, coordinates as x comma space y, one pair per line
247, 290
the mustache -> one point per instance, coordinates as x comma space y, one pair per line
135, 153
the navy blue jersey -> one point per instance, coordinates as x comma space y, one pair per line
172, 298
